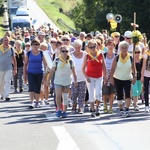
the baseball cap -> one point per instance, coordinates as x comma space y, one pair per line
128, 34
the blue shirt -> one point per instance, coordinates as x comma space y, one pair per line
35, 63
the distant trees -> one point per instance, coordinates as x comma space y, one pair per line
91, 15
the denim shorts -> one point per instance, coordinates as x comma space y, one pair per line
62, 86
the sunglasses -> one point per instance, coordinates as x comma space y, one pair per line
117, 36
63, 51
92, 47
27, 45
128, 38
65, 39
36, 44
53, 42
59, 43
137, 52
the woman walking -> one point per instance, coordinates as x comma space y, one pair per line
34, 71
64, 68
94, 68
121, 75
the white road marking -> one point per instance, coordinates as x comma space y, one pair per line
65, 140
51, 116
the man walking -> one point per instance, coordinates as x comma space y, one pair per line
7, 58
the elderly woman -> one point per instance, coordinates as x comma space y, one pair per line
67, 41
121, 74
78, 91
63, 67
94, 68
34, 71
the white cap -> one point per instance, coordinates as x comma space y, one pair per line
128, 34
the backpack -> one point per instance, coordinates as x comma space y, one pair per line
12, 51
57, 60
106, 53
117, 57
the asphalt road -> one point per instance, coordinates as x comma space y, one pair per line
38, 16
40, 129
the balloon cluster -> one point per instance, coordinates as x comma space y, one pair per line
113, 20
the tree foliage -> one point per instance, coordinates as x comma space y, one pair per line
91, 15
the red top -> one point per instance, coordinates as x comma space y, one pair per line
94, 68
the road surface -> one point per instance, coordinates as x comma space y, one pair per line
40, 129
38, 16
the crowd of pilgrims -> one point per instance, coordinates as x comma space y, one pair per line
88, 71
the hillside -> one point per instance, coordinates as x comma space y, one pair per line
56, 9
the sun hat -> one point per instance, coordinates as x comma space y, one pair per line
115, 34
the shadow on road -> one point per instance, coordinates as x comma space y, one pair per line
17, 112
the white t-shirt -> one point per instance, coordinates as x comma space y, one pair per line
78, 67
63, 75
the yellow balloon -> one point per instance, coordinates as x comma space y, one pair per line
113, 24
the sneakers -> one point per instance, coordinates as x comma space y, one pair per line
25, 87
80, 110
37, 105
21, 90
97, 113
121, 113
64, 115
46, 102
42, 102
2, 98
59, 113
86, 108
124, 114
105, 109
32, 105
7, 99
127, 114
110, 111
93, 115
147, 109
69, 102
136, 108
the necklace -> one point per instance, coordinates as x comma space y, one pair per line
110, 55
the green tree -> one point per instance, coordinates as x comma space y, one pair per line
91, 15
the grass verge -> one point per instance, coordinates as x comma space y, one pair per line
1, 28
51, 8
